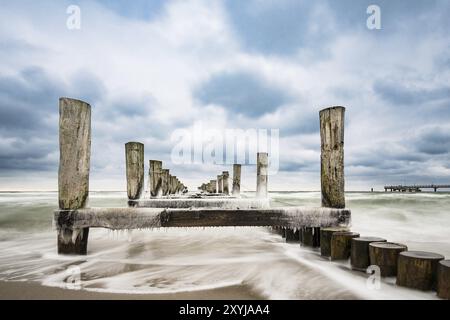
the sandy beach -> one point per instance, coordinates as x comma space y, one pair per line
21, 290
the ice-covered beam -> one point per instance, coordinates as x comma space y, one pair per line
210, 202
136, 218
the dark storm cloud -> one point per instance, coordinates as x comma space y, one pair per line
26, 101
282, 27
242, 93
434, 141
399, 95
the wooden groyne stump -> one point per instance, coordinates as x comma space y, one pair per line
443, 279
310, 237
418, 269
385, 256
359, 256
325, 239
341, 244
292, 236
74, 166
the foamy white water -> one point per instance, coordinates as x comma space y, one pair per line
177, 260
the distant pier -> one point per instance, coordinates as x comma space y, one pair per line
416, 188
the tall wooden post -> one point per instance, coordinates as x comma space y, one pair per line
262, 163
74, 165
155, 173
332, 157
134, 155
219, 184
236, 179
226, 188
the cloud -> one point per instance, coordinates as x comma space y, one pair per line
434, 141
150, 67
242, 93
397, 94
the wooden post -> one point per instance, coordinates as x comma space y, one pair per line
443, 280
225, 176
236, 179
360, 259
74, 165
213, 186
385, 256
332, 157
325, 239
292, 236
340, 244
262, 163
155, 172
165, 181
219, 184
310, 237
418, 269
134, 155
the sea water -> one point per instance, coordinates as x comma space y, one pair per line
174, 260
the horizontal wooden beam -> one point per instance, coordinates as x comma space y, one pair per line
222, 202
137, 218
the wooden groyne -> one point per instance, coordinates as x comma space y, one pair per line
169, 204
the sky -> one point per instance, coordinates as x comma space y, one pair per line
149, 68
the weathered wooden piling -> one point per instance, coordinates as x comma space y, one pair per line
292, 235
418, 269
155, 172
332, 157
165, 181
236, 179
213, 186
73, 174
443, 279
359, 258
310, 237
325, 239
173, 184
262, 163
134, 155
385, 256
225, 176
341, 244
219, 184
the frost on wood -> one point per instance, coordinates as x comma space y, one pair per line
222, 203
315, 217
140, 218
111, 218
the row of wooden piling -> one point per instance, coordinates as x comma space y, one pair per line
414, 269
221, 185
161, 182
